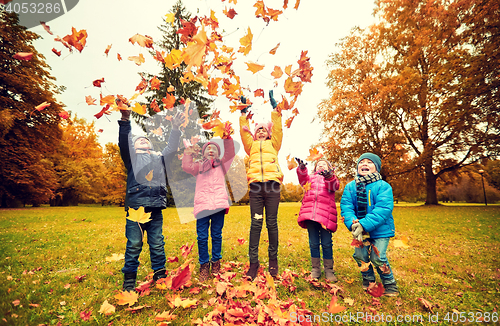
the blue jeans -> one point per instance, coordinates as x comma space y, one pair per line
319, 236
362, 254
215, 222
134, 233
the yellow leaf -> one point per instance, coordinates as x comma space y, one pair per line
291, 163
307, 186
188, 303
277, 72
138, 215
115, 257
400, 244
273, 51
138, 60
107, 308
126, 297
138, 108
173, 59
195, 51
254, 67
246, 42
170, 18
149, 176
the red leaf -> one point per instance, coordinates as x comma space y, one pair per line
42, 106
356, 243
186, 250
45, 27
97, 82
182, 278
26, 56
375, 289
64, 114
58, 53
103, 111
85, 315
172, 259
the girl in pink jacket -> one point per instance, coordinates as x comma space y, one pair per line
318, 214
211, 200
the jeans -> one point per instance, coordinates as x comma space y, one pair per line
362, 254
319, 236
264, 195
134, 233
215, 222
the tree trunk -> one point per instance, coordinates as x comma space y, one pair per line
430, 184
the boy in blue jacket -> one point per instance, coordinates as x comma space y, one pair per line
366, 206
146, 187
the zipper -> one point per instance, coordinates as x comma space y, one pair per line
369, 200
261, 165
315, 201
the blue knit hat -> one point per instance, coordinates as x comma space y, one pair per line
372, 157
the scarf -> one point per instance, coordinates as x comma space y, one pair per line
207, 164
361, 182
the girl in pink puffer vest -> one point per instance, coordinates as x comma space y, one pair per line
318, 214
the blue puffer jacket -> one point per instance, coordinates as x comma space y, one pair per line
378, 220
146, 172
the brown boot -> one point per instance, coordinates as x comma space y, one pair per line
273, 267
204, 272
215, 267
253, 270
329, 273
316, 267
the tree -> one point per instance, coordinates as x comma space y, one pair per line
420, 89
116, 176
26, 135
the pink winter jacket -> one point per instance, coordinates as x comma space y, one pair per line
210, 193
318, 203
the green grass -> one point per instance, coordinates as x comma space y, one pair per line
452, 261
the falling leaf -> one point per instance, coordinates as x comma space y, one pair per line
154, 105
334, 307
258, 92
186, 250
119, 57
254, 67
64, 115
138, 60
107, 49
170, 18
314, 155
26, 56
307, 186
229, 13
46, 28
273, 50
90, 100
76, 39
109, 99
195, 51
138, 108
223, 130
115, 257
138, 215
107, 308
42, 106
144, 41
291, 162
375, 289
277, 72
246, 43
126, 297
288, 121
364, 266
155, 83
173, 259
168, 101
58, 53
213, 86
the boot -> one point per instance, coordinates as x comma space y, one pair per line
316, 268
215, 267
159, 274
329, 273
391, 290
253, 270
129, 281
204, 272
273, 267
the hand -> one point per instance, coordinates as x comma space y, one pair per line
301, 163
272, 100
244, 101
125, 115
327, 174
177, 120
357, 231
124, 109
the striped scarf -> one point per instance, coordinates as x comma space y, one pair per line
361, 183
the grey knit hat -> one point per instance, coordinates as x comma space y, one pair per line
135, 138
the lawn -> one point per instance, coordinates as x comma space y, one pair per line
54, 270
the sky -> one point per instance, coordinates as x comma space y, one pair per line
313, 28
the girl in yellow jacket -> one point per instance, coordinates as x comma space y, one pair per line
264, 178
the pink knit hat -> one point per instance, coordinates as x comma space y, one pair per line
268, 126
210, 143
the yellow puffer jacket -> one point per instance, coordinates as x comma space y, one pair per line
263, 155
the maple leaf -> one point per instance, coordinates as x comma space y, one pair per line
107, 308
168, 101
186, 250
126, 297
188, 30
138, 108
213, 86
375, 289
241, 241
307, 186
154, 106
291, 163
119, 57
90, 100
258, 92
97, 82
165, 316
155, 83
64, 115
58, 53
115, 257
293, 88
288, 122
334, 307
143, 85
142, 40
277, 72
138, 215
107, 49
246, 43
46, 28
356, 243
254, 67
195, 51
42, 106
138, 60
314, 155
26, 56
109, 99
229, 13
402, 243
223, 130
76, 39
85, 315
183, 276
173, 259
170, 18
364, 266
426, 304
273, 50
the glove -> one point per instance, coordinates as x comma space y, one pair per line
272, 100
327, 174
177, 120
357, 231
301, 163
244, 101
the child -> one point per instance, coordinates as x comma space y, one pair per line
211, 201
366, 206
318, 214
143, 191
264, 177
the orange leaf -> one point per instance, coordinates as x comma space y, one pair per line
246, 42
229, 13
42, 106
154, 106
258, 92
211, 124
119, 57
291, 163
58, 53
76, 39
26, 56
64, 115
138, 60
291, 87
254, 67
46, 27
126, 297
277, 72
155, 83
141, 109
109, 99
107, 49
314, 155
168, 101
307, 187
144, 41
334, 307
288, 70
90, 100
273, 50
213, 86
97, 82
288, 121
195, 51
107, 308
375, 289
364, 266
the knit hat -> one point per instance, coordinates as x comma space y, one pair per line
330, 166
210, 143
268, 126
372, 157
135, 138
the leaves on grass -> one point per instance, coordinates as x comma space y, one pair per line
426, 304
126, 297
115, 257
334, 307
401, 243
107, 308
375, 289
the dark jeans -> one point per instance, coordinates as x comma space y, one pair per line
319, 236
264, 195
214, 222
134, 232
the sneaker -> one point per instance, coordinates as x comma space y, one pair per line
216, 267
159, 274
391, 290
129, 281
204, 272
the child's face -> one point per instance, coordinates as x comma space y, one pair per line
142, 143
211, 152
261, 134
365, 167
321, 166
